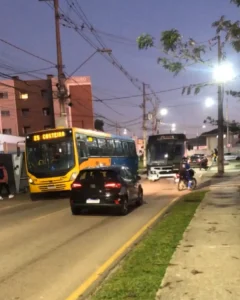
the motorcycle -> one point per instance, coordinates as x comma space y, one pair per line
183, 181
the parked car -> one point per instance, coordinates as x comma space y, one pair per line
198, 161
113, 187
231, 156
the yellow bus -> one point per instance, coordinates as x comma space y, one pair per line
55, 157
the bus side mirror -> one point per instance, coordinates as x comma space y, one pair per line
18, 151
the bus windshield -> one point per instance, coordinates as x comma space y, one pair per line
162, 150
50, 157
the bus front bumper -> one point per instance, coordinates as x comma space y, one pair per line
50, 187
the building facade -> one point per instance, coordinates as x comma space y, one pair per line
31, 105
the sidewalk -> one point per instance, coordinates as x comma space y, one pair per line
206, 264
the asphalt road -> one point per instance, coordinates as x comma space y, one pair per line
46, 253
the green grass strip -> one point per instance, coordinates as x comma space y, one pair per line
140, 275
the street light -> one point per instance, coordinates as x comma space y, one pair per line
209, 102
125, 131
163, 112
173, 125
223, 72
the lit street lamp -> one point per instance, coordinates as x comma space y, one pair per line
209, 102
163, 112
223, 73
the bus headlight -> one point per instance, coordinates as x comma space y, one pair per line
30, 180
73, 176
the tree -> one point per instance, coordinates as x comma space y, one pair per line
98, 125
233, 126
179, 53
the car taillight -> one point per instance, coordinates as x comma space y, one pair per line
76, 185
113, 185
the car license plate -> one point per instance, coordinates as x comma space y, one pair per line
51, 187
93, 201
92, 186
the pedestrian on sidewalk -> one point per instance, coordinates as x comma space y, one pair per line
4, 181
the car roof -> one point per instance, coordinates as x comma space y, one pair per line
115, 168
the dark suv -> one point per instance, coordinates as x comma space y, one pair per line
113, 187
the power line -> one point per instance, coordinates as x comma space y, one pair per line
27, 52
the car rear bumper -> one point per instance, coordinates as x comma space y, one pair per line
95, 205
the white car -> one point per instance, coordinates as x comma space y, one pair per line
230, 156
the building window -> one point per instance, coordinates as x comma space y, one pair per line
46, 111
47, 127
45, 94
25, 112
3, 95
23, 96
7, 131
26, 129
5, 113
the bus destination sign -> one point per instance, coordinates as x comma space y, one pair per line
166, 137
48, 136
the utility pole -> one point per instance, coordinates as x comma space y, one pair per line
154, 118
62, 91
220, 117
144, 127
227, 121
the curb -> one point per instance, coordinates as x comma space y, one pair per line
89, 286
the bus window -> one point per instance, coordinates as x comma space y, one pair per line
132, 149
118, 148
102, 147
93, 146
125, 148
110, 147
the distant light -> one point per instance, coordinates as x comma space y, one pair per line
173, 129
209, 102
163, 112
223, 73
173, 125
166, 155
204, 126
125, 131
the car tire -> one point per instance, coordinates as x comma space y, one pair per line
75, 211
139, 201
124, 207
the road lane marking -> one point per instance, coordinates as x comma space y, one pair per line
95, 275
50, 214
13, 206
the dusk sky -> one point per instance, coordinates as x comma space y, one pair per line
30, 25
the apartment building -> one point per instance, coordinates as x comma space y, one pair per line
28, 106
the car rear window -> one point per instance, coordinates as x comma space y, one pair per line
97, 175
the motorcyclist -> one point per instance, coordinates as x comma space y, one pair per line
185, 171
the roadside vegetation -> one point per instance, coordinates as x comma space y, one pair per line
140, 274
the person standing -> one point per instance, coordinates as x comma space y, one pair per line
4, 181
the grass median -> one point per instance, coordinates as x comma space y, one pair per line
140, 274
